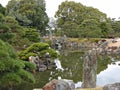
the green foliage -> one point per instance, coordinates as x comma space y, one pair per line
16, 35
117, 34
103, 61
106, 29
5, 33
11, 23
19, 64
10, 79
74, 64
19, 41
9, 65
26, 76
6, 36
90, 28
29, 13
116, 27
6, 51
77, 20
3, 55
2, 18
2, 66
4, 28
32, 35
52, 53
24, 55
48, 42
12, 70
2, 9
94, 40
71, 29
29, 65
37, 49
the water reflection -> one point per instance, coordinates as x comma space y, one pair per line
109, 75
72, 64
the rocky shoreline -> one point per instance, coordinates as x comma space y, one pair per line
69, 85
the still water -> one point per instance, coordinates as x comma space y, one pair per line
108, 76
108, 69
72, 62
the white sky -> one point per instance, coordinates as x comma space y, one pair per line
110, 7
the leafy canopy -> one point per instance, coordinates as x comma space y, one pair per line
72, 16
38, 49
29, 13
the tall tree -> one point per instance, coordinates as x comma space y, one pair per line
29, 13
12, 70
115, 26
16, 35
71, 15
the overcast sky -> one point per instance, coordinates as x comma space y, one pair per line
110, 7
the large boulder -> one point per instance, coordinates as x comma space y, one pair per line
71, 83
51, 85
61, 84
115, 86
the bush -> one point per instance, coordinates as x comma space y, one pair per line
37, 49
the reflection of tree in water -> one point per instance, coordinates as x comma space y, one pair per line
103, 62
72, 63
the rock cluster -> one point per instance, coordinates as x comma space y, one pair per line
42, 65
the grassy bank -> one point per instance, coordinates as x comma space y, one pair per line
97, 88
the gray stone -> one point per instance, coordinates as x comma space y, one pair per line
71, 83
62, 85
89, 69
115, 86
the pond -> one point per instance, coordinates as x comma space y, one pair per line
109, 75
108, 72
